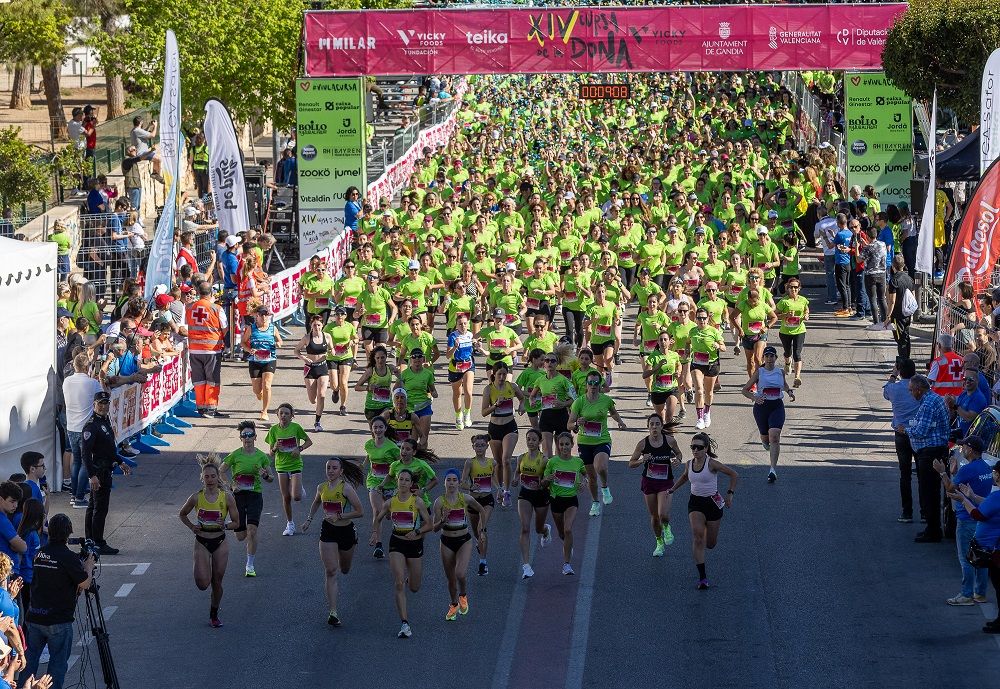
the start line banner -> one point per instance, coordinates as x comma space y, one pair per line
597, 39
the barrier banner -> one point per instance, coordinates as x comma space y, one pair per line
136, 406
977, 242
597, 39
879, 136
285, 295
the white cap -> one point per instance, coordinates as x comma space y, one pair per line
413, 265
160, 289
233, 240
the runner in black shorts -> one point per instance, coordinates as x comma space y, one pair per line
312, 350
247, 466
657, 453
341, 505
562, 477
498, 406
532, 498
451, 514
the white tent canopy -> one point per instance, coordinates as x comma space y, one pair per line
27, 353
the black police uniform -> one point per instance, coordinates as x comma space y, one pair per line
100, 454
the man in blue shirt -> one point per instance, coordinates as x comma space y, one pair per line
904, 407
842, 266
120, 242
929, 430
978, 475
10, 543
968, 404
231, 262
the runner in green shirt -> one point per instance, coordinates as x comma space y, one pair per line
527, 380
706, 344
555, 393
562, 477
376, 311
248, 465
287, 442
418, 381
793, 311
662, 371
500, 341
589, 418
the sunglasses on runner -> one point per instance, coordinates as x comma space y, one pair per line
250, 434
594, 381
697, 447
549, 361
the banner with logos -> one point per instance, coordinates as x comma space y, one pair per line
597, 39
136, 406
989, 122
330, 143
225, 167
160, 267
879, 136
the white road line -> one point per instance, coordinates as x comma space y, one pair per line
140, 569
508, 645
109, 611
584, 598
124, 590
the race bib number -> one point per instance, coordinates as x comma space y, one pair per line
373, 318
625, 256
534, 303
334, 509
548, 401
306, 369
717, 499
288, 444
245, 481
340, 349
660, 472
463, 366
682, 353
604, 330
756, 326
483, 484
592, 429
380, 469
449, 239
505, 407
455, 518
735, 290
564, 479
393, 280
210, 518
691, 282
498, 344
403, 521
402, 434
380, 394
565, 255
701, 357
530, 481
792, 320
772, 393
649, 344
323, 303
262, 354
510, 318
665, 380
350, 302
569, 296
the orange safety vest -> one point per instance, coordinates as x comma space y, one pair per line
949, 375
245, 292
204, 326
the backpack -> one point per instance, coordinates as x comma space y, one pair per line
909, 305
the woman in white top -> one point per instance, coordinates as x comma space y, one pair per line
768, 406
705, 504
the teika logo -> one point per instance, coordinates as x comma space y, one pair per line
486, 37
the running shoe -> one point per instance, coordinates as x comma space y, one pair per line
343, 410
67, 484
703, 584
788, 368
317, 427
251, 572
649, 401
483, 568
708, 419
128, 450
378, 553
736, 350
505, 500
336, 396
595, 509
215, 622
797, 383
771, 476
333, 620
668, 535
979, 599
459, 425
78, 504
452, 614
960, 600
289, 529
546, 537
658, 550
404, 631
468, 418
905, 518
689, 396
527, 572
681, 414
766, 444
568, 569
463, 605
700, 423
606, 496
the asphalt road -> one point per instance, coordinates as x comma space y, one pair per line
814, 583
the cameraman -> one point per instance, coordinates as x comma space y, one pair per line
100, 454
60, 576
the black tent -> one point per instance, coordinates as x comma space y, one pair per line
960, 163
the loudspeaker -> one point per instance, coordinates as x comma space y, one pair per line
918, 195
254, 178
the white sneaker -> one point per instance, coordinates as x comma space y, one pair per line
708, 419
606, 496
317, 428
546, 537
527, 572
700, 424
459, 424
289, 529
404, 631
468, 418
595, 509
568, 569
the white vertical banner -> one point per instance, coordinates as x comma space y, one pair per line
925, 240
159, 269
989, 129
225, 168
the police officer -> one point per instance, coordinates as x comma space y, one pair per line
100, 453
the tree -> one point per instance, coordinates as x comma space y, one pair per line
943, 43
23, 177
20, 90
106, 13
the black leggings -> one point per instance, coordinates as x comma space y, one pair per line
791, 345
628, 275
901, 333
843, 275
573, 321
875, 286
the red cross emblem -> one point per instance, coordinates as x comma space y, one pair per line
199, 315
955, 368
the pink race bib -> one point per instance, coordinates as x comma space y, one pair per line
323, 303
333, 510
625, 256
548, 401
604, 330
455, 518
380, 469
340, 349
380, 394
649, 344
665, 380
772, 393
530, 481
373, 318
756, 326
245, 481
565, 255
484, 484
660, 472
402, 521
498, 343
735, 290
792, 320
701, 357
350, 302
534, 303
564, 479
509, 318
288, 444
592, 429
569, 296
262, 354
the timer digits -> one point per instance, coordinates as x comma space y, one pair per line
605, 91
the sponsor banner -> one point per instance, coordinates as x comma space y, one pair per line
989, 130
879, 136
597, 39
160, 267
226, 169
925, 240
977, 243
330, 138
136, 406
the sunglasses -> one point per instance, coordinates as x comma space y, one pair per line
701, 318
248, 435
549, 361
697, 447
593, 382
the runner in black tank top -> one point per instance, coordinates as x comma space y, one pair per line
656, 453
316, 372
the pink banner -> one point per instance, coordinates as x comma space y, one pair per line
588, 39
136, 406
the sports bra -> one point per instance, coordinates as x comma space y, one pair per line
481, 476
313, 348
333, 500
404, 515
504, 399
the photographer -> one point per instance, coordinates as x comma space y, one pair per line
60, 576
100, 454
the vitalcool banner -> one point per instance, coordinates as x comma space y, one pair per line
977, 243
879, 136
586, 39
226, 169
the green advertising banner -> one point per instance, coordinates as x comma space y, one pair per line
330, 149
879, 136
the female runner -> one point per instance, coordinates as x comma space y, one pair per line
498, 407
705, 504
589, 419
734, 281
248, 465
451, 515
680, 335
462, 346
657, 453
706, 343
211, 552
288, 441
260, 343
532, 498
380, 452
418, 462
337, 536
377, 382
340, 358
562, 477
663, 370
418, 381
410, 521
793, 311
477, 478
691, 275
756, 316
648, 324
400, 420
765, 389
526, 381
313, 349
602, 322
556, 394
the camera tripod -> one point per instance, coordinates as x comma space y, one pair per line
95, 620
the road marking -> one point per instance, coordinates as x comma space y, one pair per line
140, 569
124, 590
581, 615
508, 645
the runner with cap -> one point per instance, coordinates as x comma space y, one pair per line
402, 422
500, 342
248, 465
588, 418
414, 288
260, 344
376, 310
555, 392
765, 389
793, 311
706, 345
451, 514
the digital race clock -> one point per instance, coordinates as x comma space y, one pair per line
605, 91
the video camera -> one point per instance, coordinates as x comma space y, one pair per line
88, 548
